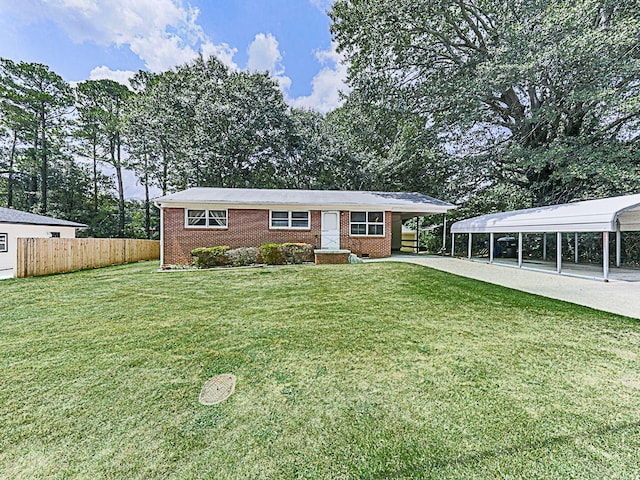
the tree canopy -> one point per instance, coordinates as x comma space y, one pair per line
542, 95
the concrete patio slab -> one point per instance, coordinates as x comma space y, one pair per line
620, 297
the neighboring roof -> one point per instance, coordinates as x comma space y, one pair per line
309, 199
588, 216
9, 215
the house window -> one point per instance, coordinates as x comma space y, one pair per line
55, 234
367, 224
206, 218
3, 242
290, 219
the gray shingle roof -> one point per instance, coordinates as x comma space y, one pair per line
394, 201
9, 215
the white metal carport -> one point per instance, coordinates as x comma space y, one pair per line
607, 215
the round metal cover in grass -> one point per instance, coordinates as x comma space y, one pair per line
217, 389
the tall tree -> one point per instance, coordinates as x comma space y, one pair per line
44, 97
116, 95
90, 108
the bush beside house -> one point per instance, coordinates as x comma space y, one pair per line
269, 253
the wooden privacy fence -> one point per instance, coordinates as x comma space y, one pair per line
42, 256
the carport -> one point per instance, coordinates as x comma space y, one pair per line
607, 219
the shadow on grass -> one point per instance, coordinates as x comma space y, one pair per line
429, 466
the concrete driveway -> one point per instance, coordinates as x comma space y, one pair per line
621, 297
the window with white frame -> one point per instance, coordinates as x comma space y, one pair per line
367, 224
206, 218
289, 219
4, 246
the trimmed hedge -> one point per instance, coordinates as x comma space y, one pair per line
297, 252
208, 257
240, 257
269, 253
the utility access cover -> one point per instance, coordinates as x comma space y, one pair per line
217, 389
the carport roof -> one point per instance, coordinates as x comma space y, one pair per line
600, 215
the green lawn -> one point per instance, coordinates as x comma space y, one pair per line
362, 371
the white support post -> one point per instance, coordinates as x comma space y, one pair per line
618, 246
418, 236
491, 242
519, 249
453, 244
544, 246
444, 235
470, 245
559, 252
575, 247
605, 256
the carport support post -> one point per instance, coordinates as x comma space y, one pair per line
453, 244
470, 245
417, 235
559, 252
491, 240
575, 247
618, 246
544, 246
519, 249
444, 235
605, 256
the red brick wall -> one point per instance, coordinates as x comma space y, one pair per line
250, 228
374, 247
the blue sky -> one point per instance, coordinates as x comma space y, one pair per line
81, 39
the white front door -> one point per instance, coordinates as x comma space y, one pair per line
330, 239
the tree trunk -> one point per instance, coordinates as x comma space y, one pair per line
44, 165
165, 169
147, 211
33, 178
95, 176
11, 161
118, 166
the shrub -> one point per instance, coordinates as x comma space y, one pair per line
271, 254
208, 257
297, 252
239, 257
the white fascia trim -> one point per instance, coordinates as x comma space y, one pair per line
418, 209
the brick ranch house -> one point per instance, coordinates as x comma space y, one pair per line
366, 223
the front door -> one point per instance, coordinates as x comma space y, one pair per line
330, 239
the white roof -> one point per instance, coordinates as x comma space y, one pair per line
587, 216
305, 199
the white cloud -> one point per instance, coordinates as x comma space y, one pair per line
327, 84
322, 5
223, 52
264, 55
163, 33
103, 72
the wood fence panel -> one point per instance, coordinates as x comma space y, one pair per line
43, 256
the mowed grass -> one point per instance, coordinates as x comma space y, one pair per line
362, 371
